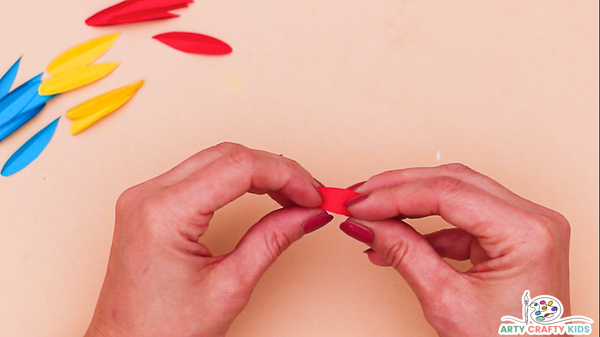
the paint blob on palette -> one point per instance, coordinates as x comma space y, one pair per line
545, 309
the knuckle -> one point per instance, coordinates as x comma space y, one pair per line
276, 243
566, 229
241, 157
542, 229
226, 147
395, 254
561, 222
446, 184
540, 224
131, 198
126, 198
139, 211
149, 208
457, 168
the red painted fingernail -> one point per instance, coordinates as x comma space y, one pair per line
316, 223
355, 186
355, 200
358, 232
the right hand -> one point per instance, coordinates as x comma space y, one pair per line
513, 244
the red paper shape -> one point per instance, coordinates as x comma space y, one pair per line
194, 43
136, 11
155, 14
335, 198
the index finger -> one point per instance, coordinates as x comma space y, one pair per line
457, 171
465, 206
244, 170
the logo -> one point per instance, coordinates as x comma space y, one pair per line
542, 315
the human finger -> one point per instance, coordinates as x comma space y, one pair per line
457, 171
465, 206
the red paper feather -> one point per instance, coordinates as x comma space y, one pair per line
155, 14
144, 5
194, 43
136, 11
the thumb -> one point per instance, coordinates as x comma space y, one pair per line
407, 251
271, 236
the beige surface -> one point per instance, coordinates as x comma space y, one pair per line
347, 88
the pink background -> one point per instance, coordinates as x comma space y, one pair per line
348, 89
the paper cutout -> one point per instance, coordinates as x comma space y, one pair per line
76, 77
8, 79
110, 100
94, 109
82, 55
130, 11
144, 5
194, 43
38, 100
30, 150
155, 14
18, 121
335, 198
17, 100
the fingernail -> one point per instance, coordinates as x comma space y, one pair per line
316, 223
355, 200
358, 232
355, 186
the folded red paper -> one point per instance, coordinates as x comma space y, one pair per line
335, 198
194, 43
130, 11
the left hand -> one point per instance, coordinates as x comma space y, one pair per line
160, 281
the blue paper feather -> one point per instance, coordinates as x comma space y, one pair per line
37, 101
18, 99
30, 150
8, 79
18, 121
